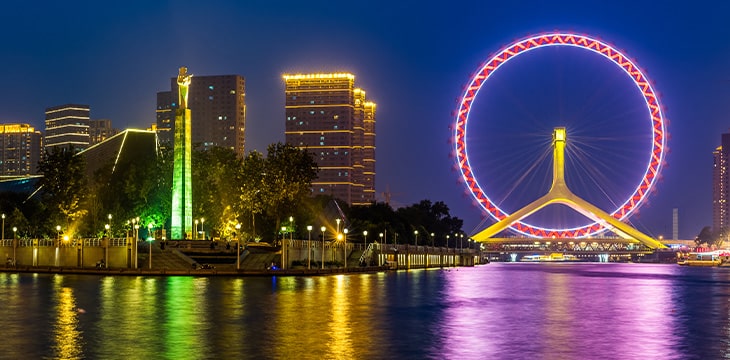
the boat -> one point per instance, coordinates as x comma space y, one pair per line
707, 258
554, 257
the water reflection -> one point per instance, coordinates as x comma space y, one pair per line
500, 311
67, 336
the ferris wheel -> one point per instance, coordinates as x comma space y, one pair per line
653, 158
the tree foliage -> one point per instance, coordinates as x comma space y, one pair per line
64, 185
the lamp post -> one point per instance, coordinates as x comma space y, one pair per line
238, 246
58, 232
106, 246
110, 225
323, 228
365, 237
136, 241
150, 239
15, 245
345, 247
283, 246
3, 235
202, 228
195, 233
309, 244
415, 232
432, 238
338, 225
381, 238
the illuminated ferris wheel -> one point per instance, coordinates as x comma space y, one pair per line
653, 159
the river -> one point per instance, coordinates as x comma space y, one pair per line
495, 311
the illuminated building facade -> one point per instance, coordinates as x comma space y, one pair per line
721, 186
165, 118
67, 126
219, 104
100, 130
20, 149
327, 115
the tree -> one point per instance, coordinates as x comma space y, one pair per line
216, 175
63, 185
287, 180
429, 218
705, 236
251, 184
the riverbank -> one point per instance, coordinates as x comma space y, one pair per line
191, 272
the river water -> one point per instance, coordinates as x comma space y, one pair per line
495, 311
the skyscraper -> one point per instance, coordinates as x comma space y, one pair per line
327, 115
20, 149
721, 186
67, 125
100, 130
219, 105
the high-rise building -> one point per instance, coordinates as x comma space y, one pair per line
218, 106
20, 149
165, 118
327, 115
67, 125
721, 186
100, 130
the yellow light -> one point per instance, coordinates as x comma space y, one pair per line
319, 76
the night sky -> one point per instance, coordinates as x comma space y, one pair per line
412, 58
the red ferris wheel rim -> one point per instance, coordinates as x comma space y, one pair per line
655, 158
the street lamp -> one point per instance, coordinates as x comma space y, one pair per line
110, 224
432, 236
238, 246
338, 225
106, 227
381, 237
345, 251
3, 235
58, 232
136, 242
202, 228
309, 243
323, 228
195, 233
447, 242
415, 232
291, 229
150, 239
15, 230
365, 237
283, 246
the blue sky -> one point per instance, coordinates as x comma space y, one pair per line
412, 58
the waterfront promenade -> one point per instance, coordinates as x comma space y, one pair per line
206, 258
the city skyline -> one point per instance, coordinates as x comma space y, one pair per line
414, 59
